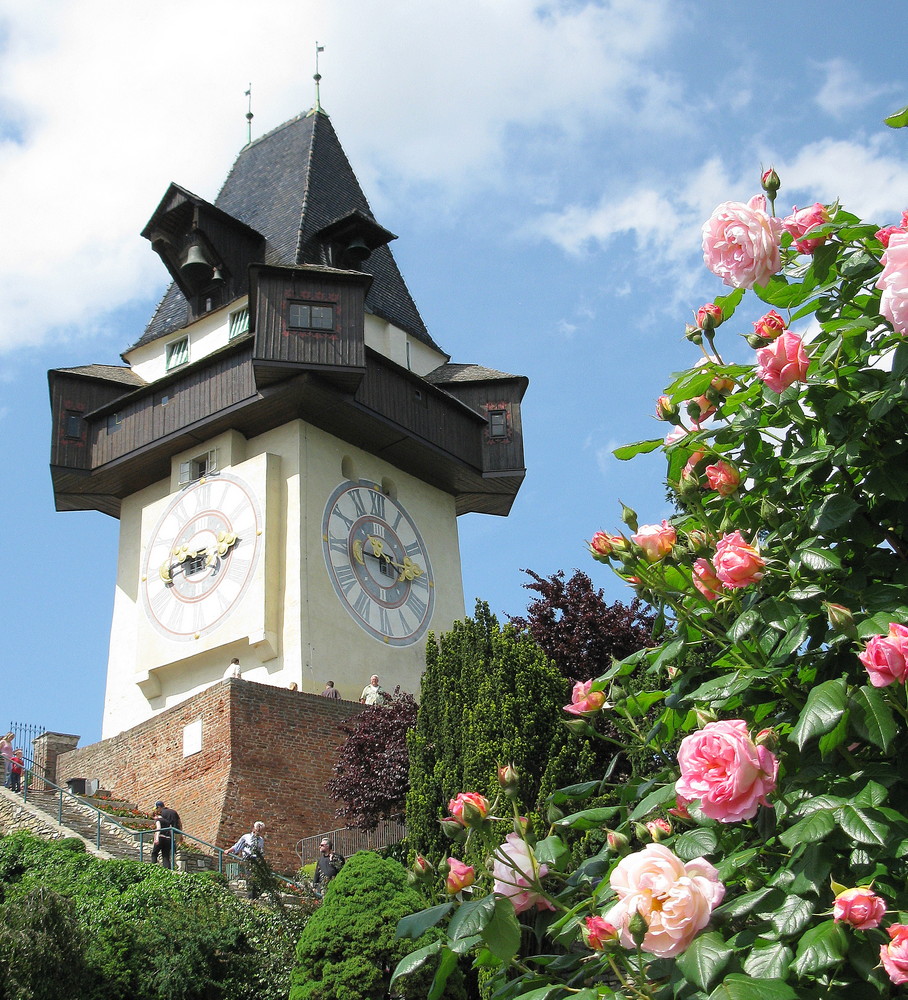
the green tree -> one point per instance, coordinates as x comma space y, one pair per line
349, 948
490, 696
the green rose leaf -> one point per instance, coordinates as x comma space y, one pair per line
704, 959
817, 560
695, 843
661, 795
872, 717
833, 512
628, 451
415, 959
502, 933
816, 826
824, 707
588, 819
551, 851
862, 826
445, 967
898, 120
769, 959
744, 904
416, 924
819, 948
778, 292
471, 918
582, 790
739, 987
792, 916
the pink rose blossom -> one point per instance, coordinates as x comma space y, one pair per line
597, 933
741, 243
517, 872
894, 283
783, 362
583, 700
675, 899
770, 326
885, 235
861, 907
656, 540
460, 876
894, 955
800, 223
679, 809
736, 563
468, 808
705, 579
886, 657
723, 478
723, 768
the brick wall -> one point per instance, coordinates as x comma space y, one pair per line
266, 754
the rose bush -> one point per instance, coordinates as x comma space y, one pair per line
773, 712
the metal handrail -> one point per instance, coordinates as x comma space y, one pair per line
140, 835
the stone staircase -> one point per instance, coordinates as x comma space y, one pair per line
82, 821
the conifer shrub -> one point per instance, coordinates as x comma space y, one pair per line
349, 946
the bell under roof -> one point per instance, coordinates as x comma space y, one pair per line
289, 185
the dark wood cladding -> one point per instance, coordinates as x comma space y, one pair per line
422, 410
501, 454
342, 347
168, 406
73, 396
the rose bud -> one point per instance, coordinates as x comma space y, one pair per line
459, 877
600, 546
451, 828
617, 842
659, 829
629, 516
768, 738
709, 316
422, 867
694, 334
841, 619
598, 933
770, 182
509, 779
769, 326
638, 927
667, 410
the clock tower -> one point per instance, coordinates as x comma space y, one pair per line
286, 447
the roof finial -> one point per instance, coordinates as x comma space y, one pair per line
317, 77
249, 116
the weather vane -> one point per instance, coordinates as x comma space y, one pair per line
317, 77
249, 115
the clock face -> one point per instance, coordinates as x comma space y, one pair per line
378, 563
201, 557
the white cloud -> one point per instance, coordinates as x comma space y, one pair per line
104, 104
844, 89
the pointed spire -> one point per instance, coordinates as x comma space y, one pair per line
317, 107
249, 115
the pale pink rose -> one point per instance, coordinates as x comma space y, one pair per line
723, 768
656, 540
517, 874
583, 700
886, 657
705, 579
770, 325
800, 223
741, 243
675, 899
894, 955
460, 876
894, 282
723, 478
783, 362
597, 933
736, 563
861, 907
468, 808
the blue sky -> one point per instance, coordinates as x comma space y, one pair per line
546, 166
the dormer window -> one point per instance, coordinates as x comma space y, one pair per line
498, 424
177, 353
239, 322
310, 316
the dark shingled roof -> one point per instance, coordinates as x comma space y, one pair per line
109, 373
466, 373
287, 185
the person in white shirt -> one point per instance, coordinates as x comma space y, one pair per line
251, 848
372, 693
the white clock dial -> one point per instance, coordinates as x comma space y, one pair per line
378, 563
201, 557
